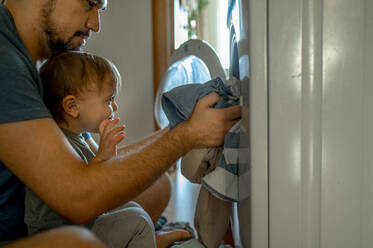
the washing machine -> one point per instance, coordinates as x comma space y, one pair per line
305, 69
195, 61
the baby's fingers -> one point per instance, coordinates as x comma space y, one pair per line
114, 141
102, 126
107, 125
118, 138
115, 131
115, 136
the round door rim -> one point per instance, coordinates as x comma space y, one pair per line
199, 49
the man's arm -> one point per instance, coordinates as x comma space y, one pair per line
39, 155
69, 236
125, 151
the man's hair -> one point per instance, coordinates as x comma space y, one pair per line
73, 73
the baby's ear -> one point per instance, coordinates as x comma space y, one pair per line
70, 106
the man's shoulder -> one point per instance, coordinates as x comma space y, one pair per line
16, 68
11, 57
15, 71
12, 49
21, 94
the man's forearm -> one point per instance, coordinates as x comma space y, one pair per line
51, 168
122, 179
132, 174
125, 151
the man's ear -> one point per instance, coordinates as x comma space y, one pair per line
70, 106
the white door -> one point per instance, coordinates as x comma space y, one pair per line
196, 62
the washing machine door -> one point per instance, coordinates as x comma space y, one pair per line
195, 61
238, 23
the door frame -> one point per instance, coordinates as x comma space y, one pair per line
163, 40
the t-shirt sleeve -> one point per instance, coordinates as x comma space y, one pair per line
20, 95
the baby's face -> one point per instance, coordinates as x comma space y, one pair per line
95, 106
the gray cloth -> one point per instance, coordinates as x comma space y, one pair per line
198, 163
220, 179
192, 243
211, 218
127, 226
79, 145
217, 169
20, 100
178, 103
223, 181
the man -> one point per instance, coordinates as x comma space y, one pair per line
34, 152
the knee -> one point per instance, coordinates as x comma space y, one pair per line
130, 224
139, 216
130, 214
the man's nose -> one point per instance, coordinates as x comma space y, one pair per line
93, 21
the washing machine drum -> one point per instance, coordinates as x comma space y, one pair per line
194, 62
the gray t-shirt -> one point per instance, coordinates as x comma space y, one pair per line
38, 215
21, 99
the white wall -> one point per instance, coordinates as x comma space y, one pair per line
126, 39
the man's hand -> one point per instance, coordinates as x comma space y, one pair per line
110, 137
207, 126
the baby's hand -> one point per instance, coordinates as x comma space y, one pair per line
110, 137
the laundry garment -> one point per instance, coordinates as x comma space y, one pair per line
193, 243
211, 218
217, 169
178, 103
197, 163
222, 181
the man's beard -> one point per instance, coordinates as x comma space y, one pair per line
54, 44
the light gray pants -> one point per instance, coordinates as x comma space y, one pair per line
127, 226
